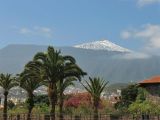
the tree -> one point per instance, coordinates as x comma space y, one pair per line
41, 99
50, 63
62, 85
7, 81
141, 95
141, 104
69, 72
30, 81
145, 107
128, 96
95, 87
56, 68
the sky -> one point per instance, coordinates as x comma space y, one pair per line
134, 24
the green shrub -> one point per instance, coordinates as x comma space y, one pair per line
41, 108
144, 108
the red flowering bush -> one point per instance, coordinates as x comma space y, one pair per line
81, 99
75, 100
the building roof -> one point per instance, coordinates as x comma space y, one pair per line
152, 80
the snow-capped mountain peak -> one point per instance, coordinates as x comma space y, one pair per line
102, 45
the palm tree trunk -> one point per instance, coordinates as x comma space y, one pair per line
95, 109
52, 93
61, 109
30, 106
5, 106
61, 101
95, 114
29, 114
52, 112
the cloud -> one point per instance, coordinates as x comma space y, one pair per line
36, 31
149, 33
147, 2
125, 34
24, 31
136, 55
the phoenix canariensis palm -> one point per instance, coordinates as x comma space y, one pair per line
95, 87
62, 85
50, 62
69, 72
7, 81
30, 80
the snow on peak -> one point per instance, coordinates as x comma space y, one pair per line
102, 45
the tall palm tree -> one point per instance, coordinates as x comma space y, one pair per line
30, 81
7, 81
95, 87
50, 63
69, 72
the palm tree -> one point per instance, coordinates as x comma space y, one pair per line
56, 68
95, 87
69, 72
30, 81
6, 82
50, 63
62, 85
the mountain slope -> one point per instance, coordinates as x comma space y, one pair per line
102, 45
110, 65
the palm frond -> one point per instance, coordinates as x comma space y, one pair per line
95, 86
7, 81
